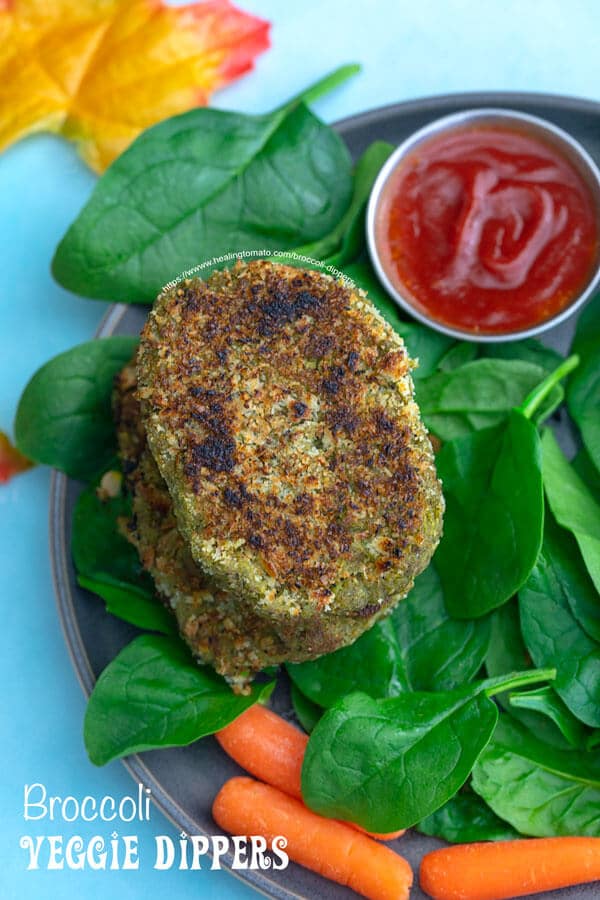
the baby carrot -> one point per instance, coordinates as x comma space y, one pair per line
268, 747
336, 851
497, 871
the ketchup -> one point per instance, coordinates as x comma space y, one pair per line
487, 229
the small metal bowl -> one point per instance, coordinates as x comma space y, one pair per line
566, 145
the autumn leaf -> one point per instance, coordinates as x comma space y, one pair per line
101, 71
11, 460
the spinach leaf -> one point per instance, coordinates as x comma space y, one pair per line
307, 712
528, 350
572, 504
506, 650
583, 396
373, 663
593, 740
100, 552
477, 395
494, 515
200, 185
449, 426
64, 416
440, 653
576, 585
587, 471
546, 701
154, 695
464, 819
324, 85
461, 353
507, 653
424, 344
583, 400
345, 241
387, 764
541, 790
552, 634
494, 507
109, 566
132, 605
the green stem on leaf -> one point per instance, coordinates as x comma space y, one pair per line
323, 85
540, 392
517, 679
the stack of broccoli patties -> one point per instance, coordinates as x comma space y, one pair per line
283, 485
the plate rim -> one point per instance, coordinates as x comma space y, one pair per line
483, 98
59, 552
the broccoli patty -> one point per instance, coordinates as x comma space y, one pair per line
278, 405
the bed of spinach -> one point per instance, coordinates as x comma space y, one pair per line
416, 666
401, 719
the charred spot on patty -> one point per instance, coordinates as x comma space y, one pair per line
216, 452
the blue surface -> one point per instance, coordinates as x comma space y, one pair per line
408, 49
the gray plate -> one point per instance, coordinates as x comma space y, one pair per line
93, 638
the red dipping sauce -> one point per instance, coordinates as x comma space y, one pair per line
487, 229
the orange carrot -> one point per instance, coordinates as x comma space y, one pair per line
268, 747
336, 851
497, 871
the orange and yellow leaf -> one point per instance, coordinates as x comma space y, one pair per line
101, 71
12, 460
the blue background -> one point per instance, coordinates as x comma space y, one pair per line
408, 49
